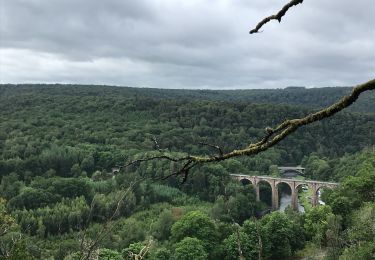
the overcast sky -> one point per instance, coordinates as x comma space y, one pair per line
186, 43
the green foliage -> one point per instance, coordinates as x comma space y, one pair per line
10, 186
162, 228
239, 206
352, 164
66, 247
317, 168
190, 248
334, 237
65, 187
104, 206
361, 234
133, 250
108, 254
59, 157
131, 231
62, 217
249, 246
92, 128
316, 223
7, 222
161, 253
31, 198
242, 205
208, 182
164, 193
195, 224
280, 236
365, 251
274, 171
19, 251
354, 190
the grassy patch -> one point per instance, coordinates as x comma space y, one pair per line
304, 197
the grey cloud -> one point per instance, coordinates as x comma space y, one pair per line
190, 43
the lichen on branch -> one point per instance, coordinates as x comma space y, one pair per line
273, 136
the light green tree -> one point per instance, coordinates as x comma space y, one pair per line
190, 248
316, 223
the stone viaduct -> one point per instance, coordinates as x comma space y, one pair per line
294, 184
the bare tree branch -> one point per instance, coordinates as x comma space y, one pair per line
152, 158
277, 16
142, 253
273, 135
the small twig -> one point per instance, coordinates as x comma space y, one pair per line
107, 227
277, 16
183, 171
218, 148
163, 157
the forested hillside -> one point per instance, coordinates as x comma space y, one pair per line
61, 145
300, 96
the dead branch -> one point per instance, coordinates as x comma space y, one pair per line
156, 144
277, 16
142, 253
273, 135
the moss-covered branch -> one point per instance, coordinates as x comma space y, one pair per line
273, 136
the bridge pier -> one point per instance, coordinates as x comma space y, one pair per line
314, 197
257, 192
275, 197
294, 196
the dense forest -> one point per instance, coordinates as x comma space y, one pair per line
64, 196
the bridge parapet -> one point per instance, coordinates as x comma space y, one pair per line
263, 177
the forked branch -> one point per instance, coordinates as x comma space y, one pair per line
277, 16
272, 137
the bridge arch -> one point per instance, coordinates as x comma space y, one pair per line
264, 181
246, 181
306, 187
318, 192
277, 183
284, 188
265, 191
302, 184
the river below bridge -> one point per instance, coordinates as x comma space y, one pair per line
286, 200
